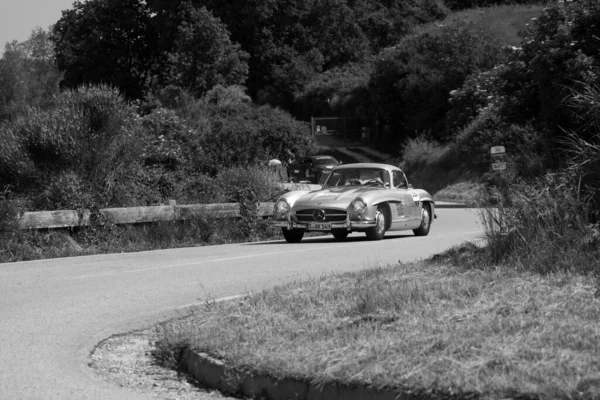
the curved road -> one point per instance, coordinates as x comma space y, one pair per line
53, 312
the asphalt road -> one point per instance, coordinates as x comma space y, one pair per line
53, 312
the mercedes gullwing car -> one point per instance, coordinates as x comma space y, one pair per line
364, 197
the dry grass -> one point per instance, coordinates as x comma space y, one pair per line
427, 327
462, 192
17, 245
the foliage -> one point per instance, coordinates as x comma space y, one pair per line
224, 96
237, 182
203, 55
545, 227
8, 213
465, 4
559, 49
245, 135
291, 41
89, 132
64, 191
107, 42
430, 165
584, 154
339, 91
168, 141
527, 153
28, 76
411, 81
20, 245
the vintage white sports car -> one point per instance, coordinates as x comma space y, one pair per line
365, 197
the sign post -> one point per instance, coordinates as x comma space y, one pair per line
498, 158
499, 164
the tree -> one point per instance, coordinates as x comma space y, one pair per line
203, 55
560, 51
292, 41
28, 76
107, 41
412, 81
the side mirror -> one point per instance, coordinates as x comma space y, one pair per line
410, 186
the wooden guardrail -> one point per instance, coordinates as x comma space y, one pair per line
133, 215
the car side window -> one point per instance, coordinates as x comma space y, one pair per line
400, 180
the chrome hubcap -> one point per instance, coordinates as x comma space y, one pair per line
380, 222
425, 220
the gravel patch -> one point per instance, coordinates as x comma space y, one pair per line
126, 361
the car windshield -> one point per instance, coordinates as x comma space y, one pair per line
325, 161
357, 177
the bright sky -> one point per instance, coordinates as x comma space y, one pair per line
19, 17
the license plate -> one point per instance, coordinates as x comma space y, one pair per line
319, 226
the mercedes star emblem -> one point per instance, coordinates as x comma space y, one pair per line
319, 215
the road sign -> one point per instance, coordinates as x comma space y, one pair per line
497, 150
497, 166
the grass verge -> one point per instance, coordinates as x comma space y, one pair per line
429, 327
18, 245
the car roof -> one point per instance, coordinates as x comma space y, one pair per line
388, 167
322, 156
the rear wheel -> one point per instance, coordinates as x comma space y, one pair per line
340, 234
423, 230
292, 235
378, 231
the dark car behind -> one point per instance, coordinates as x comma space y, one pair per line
313, 169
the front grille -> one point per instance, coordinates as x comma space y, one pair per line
331, 215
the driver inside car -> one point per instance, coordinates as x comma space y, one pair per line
370, 176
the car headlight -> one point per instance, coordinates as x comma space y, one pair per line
359, 206
282, 206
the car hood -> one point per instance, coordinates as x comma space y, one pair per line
335, 197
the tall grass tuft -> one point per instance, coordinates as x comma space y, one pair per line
545, 227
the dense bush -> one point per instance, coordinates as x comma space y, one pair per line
527, 153
245, 135
90, 135
339, 91
411, 81
8, 213
559, 51
544, 227
28, 75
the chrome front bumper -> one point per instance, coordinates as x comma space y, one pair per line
348, 225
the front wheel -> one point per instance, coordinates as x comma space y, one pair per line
378, 231
423, 230
292, 235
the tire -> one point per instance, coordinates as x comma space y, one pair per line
340, 234
378, 231
293, 235
423, 230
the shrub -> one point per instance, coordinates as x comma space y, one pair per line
90, 132
559, 50
259, 180
247, 135
8, 213
412, 80
527, 153
16, 166
429, 164
64, 191
543, 227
